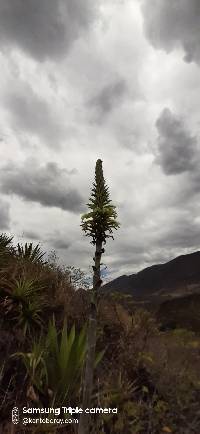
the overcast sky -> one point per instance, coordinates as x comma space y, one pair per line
112, 79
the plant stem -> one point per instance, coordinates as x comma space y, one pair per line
91, 344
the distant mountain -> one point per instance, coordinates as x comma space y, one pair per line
177, 278
170, 290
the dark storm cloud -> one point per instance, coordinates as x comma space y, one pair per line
178, 235
4, 215
31, 114
184, 232
109, 96
177, 148
60, 244
44, 28
32, 235
57, 240
169, 24
137, 261
48, 185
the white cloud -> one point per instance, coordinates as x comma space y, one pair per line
98, 98
172, 25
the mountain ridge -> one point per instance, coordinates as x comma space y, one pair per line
166, 278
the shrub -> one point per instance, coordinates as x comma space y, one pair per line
24, 302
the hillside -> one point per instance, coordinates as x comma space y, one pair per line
178, 277
148, 372
171, 291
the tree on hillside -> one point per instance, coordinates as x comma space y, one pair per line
98, 224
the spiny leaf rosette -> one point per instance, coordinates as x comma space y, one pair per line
99, 223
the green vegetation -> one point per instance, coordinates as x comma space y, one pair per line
42, 346
25, 301
55, 362
33, 254
101, 220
